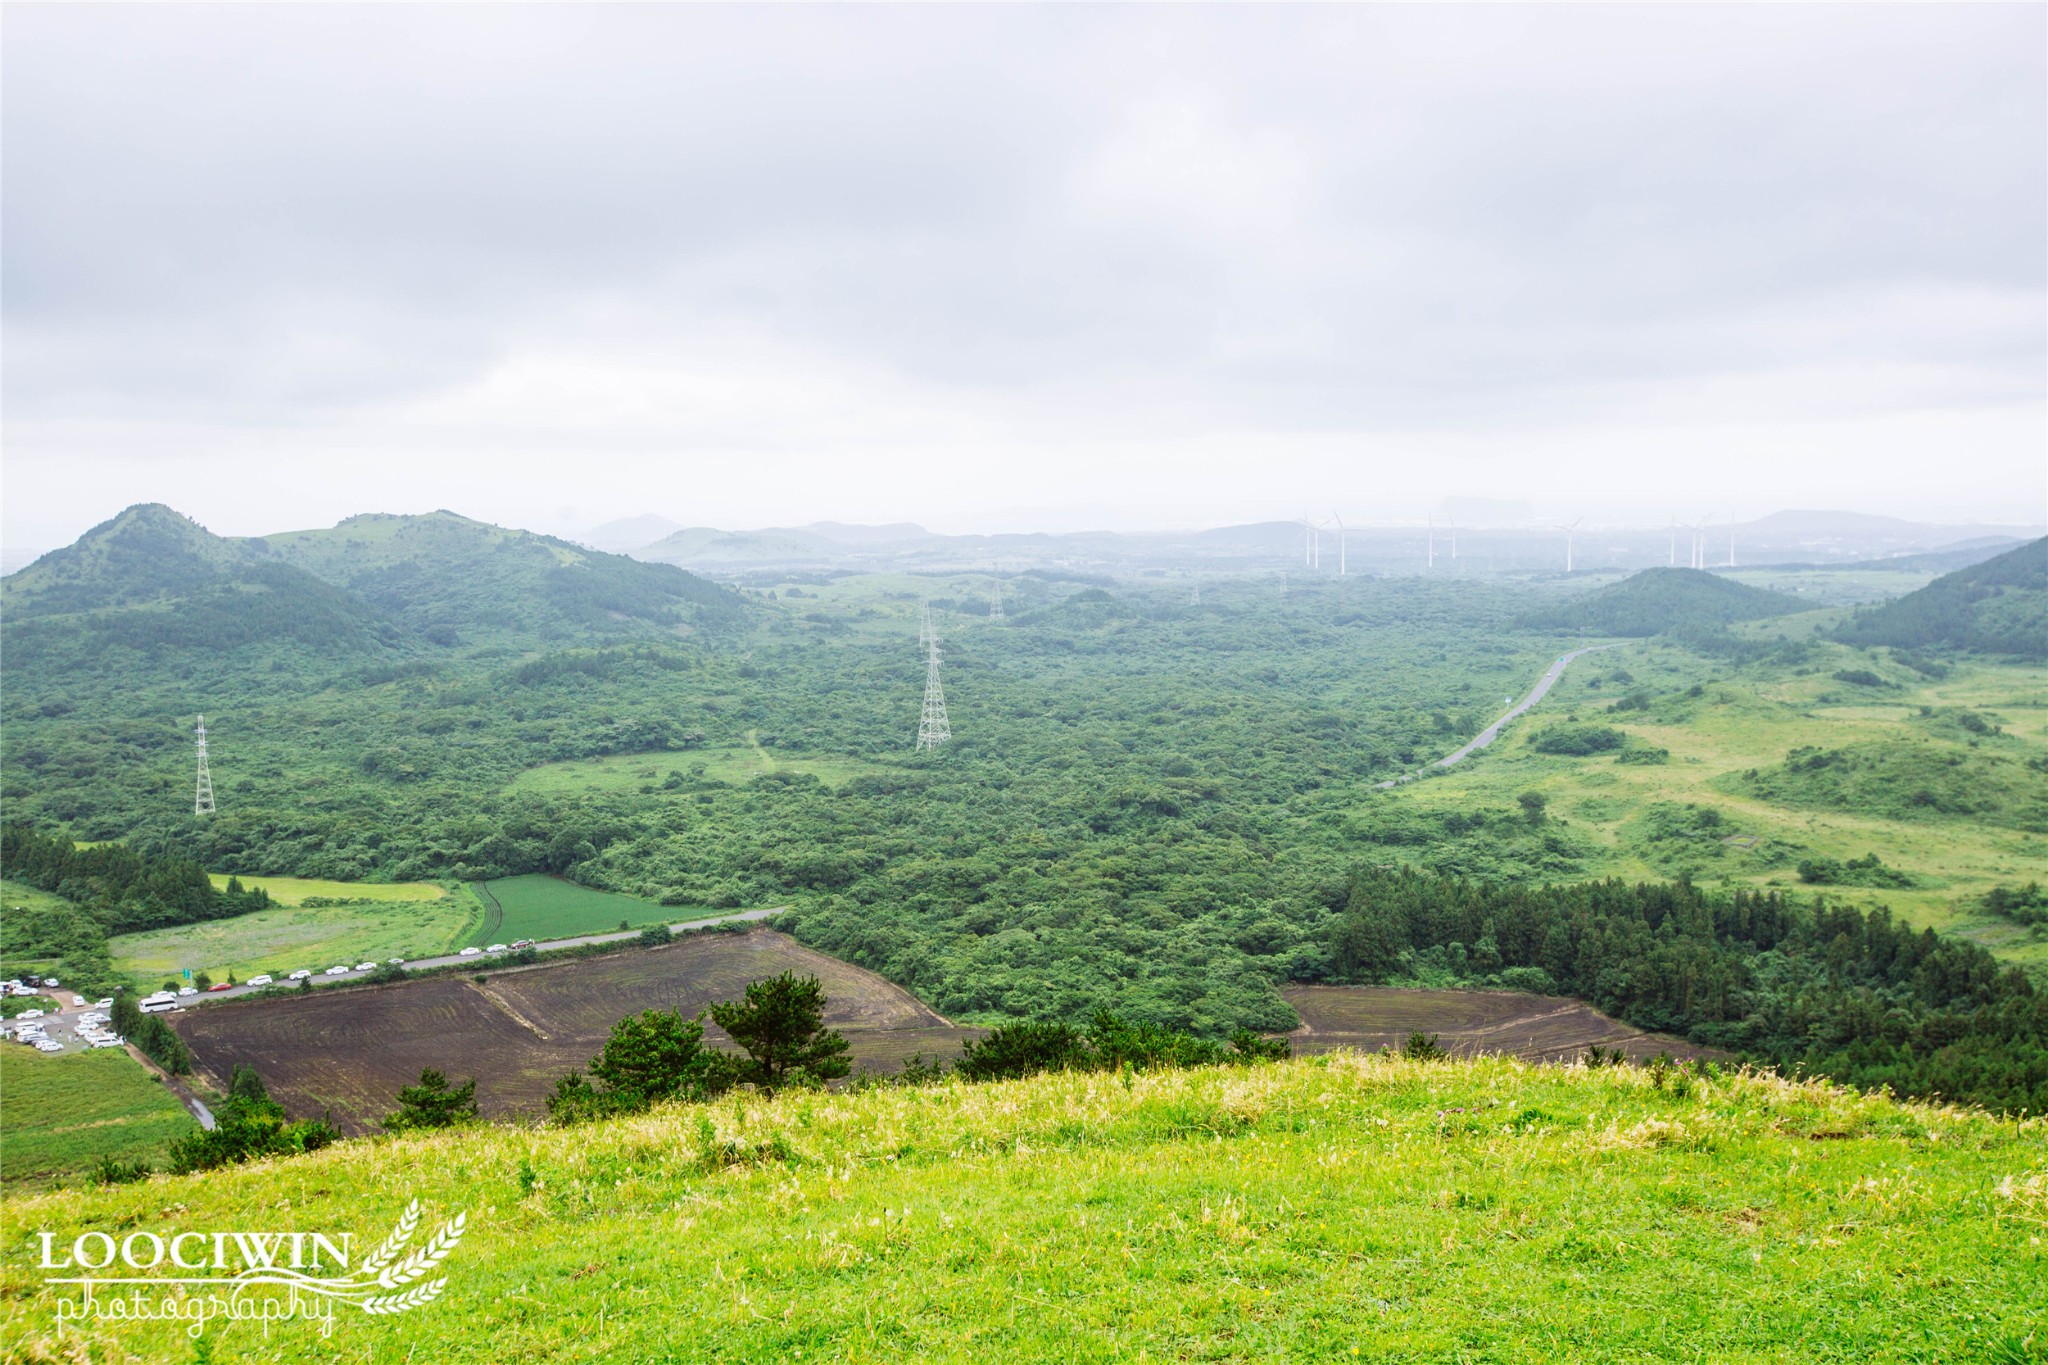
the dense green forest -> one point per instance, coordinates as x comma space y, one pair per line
1999, 606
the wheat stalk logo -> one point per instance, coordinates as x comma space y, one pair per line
389, 1268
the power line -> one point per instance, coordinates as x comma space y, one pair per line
932, 727
202, 798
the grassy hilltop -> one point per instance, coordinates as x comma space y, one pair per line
1335, 1208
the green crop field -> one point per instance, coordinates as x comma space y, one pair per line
66, 1112
541, 907
293, 890
1342, 1207
1725, 808
292, 936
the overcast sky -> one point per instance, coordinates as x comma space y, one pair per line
1011, 268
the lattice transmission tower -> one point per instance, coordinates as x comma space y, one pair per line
995, 604
202, 797
932, 728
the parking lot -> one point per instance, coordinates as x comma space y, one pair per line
58, 1020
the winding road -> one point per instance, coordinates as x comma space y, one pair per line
1492, 732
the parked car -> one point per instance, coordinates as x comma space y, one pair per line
105, 1004
263, 980
496, 948
220, 986
522, 943
337, 971
366, 966
395, 962
47, 1046
78, 1000
188, 990
300, 975
471, 952
30, 1014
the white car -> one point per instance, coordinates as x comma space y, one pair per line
188, 990
300, 975
496, 948
78, 1000
471, 952
337, 971
395, 962
366, 966
105, 1004
47, 1046
30, 1014
263, 980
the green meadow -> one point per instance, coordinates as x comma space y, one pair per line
295, 890
290, 937
1336, 1208
64, 1113
1727, 807
647, 773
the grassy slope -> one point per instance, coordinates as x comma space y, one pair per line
64, 1113
1751, 720
291, 937
1334, 1208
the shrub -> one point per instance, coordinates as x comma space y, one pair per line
1578, 740
1024, 1050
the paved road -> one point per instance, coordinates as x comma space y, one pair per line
1492, 732
320, 977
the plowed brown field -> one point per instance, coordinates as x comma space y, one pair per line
1538, 1028
347, 1052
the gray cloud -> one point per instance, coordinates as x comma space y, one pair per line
826, 231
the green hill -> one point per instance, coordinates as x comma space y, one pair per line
1342, 1207
1664, 601
151, 578
1999, 606
453, 579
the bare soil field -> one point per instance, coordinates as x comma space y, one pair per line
346, 1053
1537, 1028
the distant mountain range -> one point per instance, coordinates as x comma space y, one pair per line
1793, 538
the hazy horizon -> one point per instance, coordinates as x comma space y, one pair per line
1022, 269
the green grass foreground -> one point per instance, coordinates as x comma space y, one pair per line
1331, 1208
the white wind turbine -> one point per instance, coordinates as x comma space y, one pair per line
1432, 541
1339, 519
1570, 536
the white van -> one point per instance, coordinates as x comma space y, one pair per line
263, 980
163, 1002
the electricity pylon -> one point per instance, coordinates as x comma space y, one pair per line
202, 797
932, 727
995, 605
